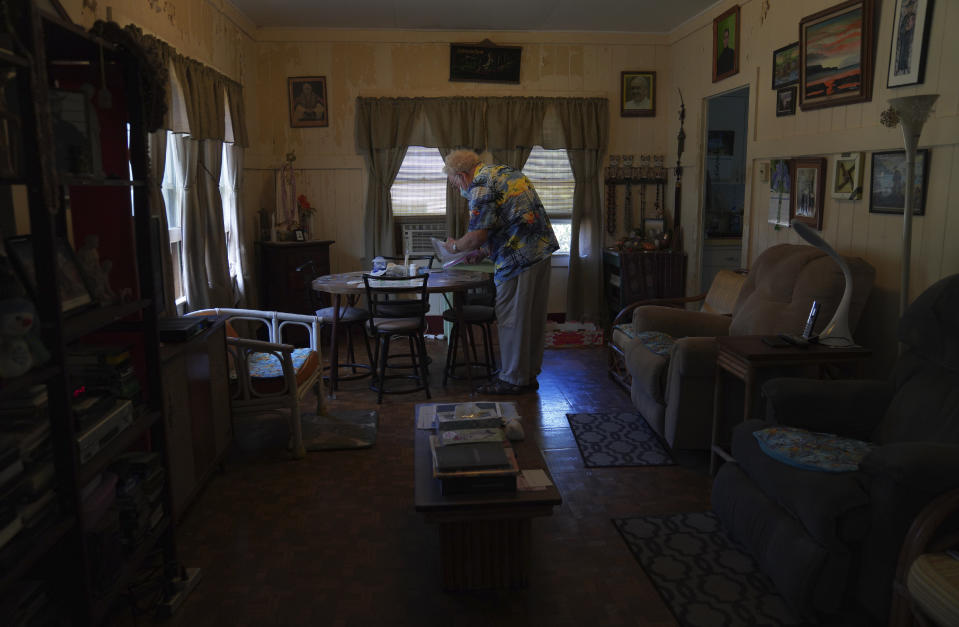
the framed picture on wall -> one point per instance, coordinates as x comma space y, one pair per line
910, 36
726, 44
75, 294
786, 66
308, 106
887, 187
780, 186
836, 55
485, 62
847, 176
786, 101
638, 94
809, 178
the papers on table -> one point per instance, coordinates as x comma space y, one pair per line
426, 413
532, 480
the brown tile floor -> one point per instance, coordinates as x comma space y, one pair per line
334, 540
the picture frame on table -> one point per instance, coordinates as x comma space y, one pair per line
780, 191
809, 185
637, 94
485, 62
307, 100
888, 180
786, 66
836, 55
75, 293
847, 176
299, 235
786, 101
726, 44
910, 38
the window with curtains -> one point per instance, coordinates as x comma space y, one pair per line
420, 185
173, 188
552, 177
228, 197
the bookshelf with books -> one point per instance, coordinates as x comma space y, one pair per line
84, 495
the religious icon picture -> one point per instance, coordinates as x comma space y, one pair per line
910, 37
726, 44
638, 94
308, 105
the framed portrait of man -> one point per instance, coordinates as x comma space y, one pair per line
726, 44
308, 105
638, 94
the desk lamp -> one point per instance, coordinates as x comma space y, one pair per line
836, 333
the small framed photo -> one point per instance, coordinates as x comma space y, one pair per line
786, 101
75, 294
726, 44
887, 187
638, 94
847, 176
308, 105
786, 66
910, 37
299, 235
809, 185
485, 62
836, 55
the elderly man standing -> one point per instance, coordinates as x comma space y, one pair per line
509, 224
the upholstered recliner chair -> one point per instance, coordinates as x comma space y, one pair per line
673, 371
830, 540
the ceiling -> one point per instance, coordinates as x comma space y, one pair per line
634, 16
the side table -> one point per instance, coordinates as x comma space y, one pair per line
749, 359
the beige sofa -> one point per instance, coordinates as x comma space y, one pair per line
673, 375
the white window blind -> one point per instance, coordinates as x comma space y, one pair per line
552, 177
420, 185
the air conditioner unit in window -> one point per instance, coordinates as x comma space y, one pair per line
416, 236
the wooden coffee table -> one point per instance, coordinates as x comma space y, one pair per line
484, 538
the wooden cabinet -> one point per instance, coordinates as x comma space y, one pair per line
281, 286
196, 400
641, 275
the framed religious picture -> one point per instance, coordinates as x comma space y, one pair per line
786, 101
847, 176
485, 62
836, 55
887, 187
786, 66
308, 105
780, 184
809, 185
726, 44
910, 36
638, 94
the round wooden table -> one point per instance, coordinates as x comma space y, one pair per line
350, 284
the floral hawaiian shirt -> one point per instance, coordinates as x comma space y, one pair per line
502, 201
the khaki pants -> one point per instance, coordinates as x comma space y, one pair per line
521, 323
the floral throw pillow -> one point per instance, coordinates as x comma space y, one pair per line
809, 450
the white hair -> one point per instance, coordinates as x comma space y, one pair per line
462, 160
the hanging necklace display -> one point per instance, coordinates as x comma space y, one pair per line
611, 194
628, 200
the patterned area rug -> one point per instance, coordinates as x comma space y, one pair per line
619, 439
705, 578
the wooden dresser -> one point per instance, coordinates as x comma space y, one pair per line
281, 286
640, 275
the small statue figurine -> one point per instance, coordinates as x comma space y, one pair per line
96, 272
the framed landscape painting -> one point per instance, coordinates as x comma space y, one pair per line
836, 55
847, 176
786, 66
910, 36
779, 191
887, 188
809, 183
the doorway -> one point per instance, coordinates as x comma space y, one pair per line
724, 183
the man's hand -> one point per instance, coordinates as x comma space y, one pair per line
476, 256
450, 244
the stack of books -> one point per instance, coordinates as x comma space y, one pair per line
470, 451
139, 496
103, 368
